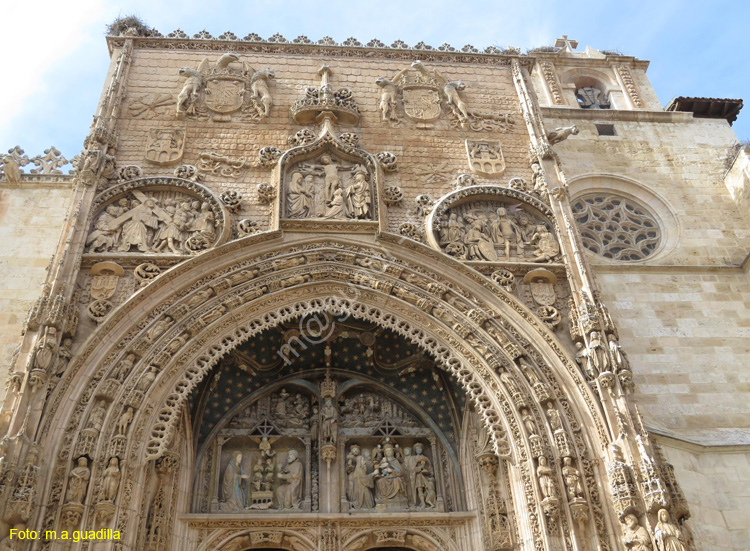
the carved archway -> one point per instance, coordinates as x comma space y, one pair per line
190, 317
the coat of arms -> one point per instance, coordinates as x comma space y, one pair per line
225, 88
106, 276
485, 157
541, 283
165, 147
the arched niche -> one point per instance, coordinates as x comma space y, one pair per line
591, 88
161, 215
383, 390
328, 184
493, 224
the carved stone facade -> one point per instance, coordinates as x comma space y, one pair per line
296, 309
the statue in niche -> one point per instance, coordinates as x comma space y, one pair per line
554, 417
389, 480
546, 482
597, 354
357, 195
289, 492
78, 481
315, 423
592, 98
621, 361
634, 536
360, 481
528, 421
584, 360
233, 488
572, 478
300, 196
111, 480
668, 536
424, 479
329, 422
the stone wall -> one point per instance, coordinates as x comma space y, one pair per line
32, 217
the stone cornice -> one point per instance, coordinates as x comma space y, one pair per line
636, 115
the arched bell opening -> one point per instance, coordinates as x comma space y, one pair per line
374, 423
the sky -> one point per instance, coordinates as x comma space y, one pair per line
56, 57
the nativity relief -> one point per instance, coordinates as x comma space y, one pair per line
495, 231
329, 188
155, 222
271, 455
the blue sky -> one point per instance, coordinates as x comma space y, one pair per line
56, 57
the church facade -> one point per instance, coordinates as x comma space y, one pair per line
306, 296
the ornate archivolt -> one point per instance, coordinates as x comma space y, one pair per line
463, 321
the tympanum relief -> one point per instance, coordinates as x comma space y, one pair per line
225, 89
329, 188
496, 231
152, 222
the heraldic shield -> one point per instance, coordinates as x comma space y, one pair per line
421, 103
225, 95
165, 147
485, 157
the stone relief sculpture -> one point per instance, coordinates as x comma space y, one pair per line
234, 491
289, 492
158, 222
329, 189
424, 478
225, 89
485, 157
493, 231
361, 481
165, 147
425, 94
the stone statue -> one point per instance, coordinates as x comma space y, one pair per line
598, 357
138, 230
123, 368
189, 94
289, 492
503, 230
554, 417
621, 361
78, 481
572, 478
561, 134
668, 536
233, 489
111, 479
454, 100
175, 232
259, 90
424, 479
328, 422
528, 421
360, 482
410, 463
584, 361
97, 415
300, 196
387, 103
537, 177
124, 421
634, 536
389, 474
357, 195
546, 482
315, 423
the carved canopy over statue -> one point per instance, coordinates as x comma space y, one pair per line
156, 216
493, 224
